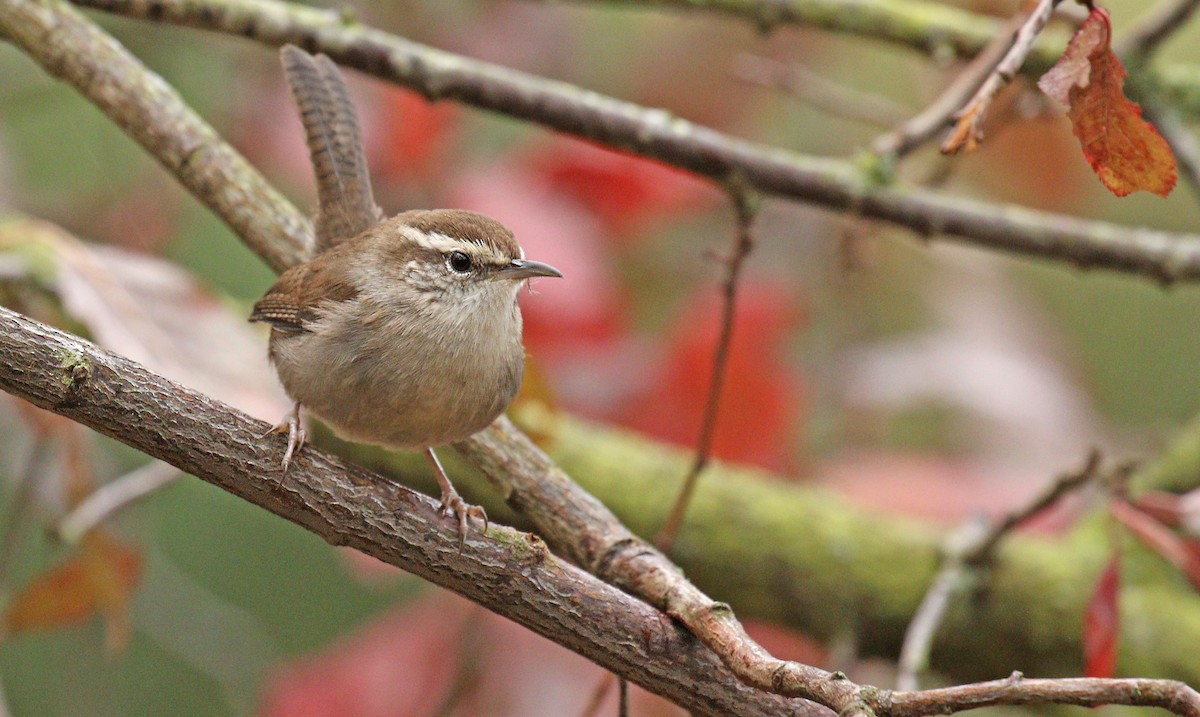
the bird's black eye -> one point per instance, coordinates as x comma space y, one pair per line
459, 261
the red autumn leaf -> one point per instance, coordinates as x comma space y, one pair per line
99, 579
1126, 152
761, 399
1102, 623
1180, 551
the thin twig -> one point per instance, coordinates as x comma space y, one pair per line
946, 585
1156, 26
599, 692
836, 185
813, 89
939, 114
743, 243
966, 550
114, 496
622, 698
1064, 484
968, 132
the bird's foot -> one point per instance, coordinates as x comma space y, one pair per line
457, 508
452, 503
296, 436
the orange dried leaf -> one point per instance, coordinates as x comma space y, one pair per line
1126, 152
98, 579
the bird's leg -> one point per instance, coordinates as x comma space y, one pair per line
452, 502
295, 432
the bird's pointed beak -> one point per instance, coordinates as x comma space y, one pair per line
526, 269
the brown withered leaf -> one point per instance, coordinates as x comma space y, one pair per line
1126, 152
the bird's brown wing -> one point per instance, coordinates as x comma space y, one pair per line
292, 302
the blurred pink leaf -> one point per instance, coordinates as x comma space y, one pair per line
401, 665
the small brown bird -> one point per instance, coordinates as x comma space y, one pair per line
402, 332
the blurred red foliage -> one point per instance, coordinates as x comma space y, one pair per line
762, 398
406, 135
438, 655
624, 192
1102, 622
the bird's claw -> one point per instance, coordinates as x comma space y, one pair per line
296, 434
457, 508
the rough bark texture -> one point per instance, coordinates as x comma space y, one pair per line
510, 573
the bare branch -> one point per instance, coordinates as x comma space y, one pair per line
510, 573
836, 185
114, 496
968, 132
743, 244
1016, 690
939, 113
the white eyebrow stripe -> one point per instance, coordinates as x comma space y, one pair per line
438, 242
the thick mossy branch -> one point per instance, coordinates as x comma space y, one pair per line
806, 557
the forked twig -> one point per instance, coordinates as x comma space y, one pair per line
968, 549
939, 113
968, 131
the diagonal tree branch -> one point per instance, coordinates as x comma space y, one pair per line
510, 573
836, 185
